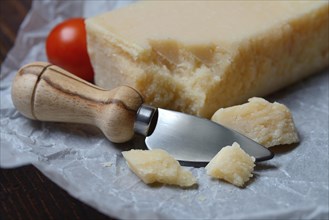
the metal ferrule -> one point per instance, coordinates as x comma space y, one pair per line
144, 119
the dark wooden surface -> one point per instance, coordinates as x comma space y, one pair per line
12, 12
25, 193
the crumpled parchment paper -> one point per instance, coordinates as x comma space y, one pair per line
82, 161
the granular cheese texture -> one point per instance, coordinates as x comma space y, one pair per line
232, 164
158, 166
199, 56
267, 123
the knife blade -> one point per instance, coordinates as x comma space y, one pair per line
191, 139
45, 92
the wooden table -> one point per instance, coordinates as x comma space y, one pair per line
25, 193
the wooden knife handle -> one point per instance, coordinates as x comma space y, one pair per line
45, 92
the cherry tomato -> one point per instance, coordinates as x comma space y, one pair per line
66, 46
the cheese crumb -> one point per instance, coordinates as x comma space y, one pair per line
232, 164
158, 166
268, 124
107, 164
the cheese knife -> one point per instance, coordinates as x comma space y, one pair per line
45, 92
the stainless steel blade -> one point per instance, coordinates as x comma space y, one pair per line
191, 139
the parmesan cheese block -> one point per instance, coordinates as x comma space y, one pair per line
267, 123
198, 56
158, 166
232, 164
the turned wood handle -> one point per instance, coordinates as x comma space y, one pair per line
45, 92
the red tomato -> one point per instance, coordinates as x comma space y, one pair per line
66, 46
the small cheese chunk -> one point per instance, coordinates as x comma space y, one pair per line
158, 166
199, 56
232, 164
268, 124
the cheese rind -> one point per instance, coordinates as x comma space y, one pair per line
267, 123
198, 56
232, 164
158, 166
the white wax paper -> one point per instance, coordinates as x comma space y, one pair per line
82, 161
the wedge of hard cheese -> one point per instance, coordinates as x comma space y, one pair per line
198, 56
